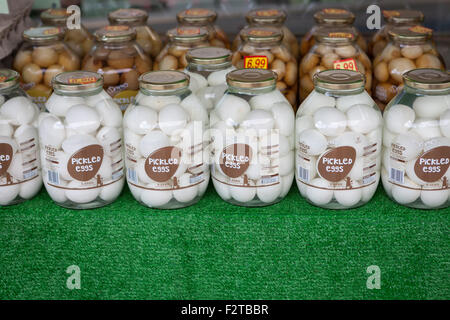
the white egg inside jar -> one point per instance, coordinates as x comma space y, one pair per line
82, 145
165, 142
252, 159
338, 155
207, 68
418, 156
20, 169
335, 47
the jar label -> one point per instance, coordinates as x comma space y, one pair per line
162, 164
255, 62
335, 164
433, 164
235, 159
122, 98
36, 94
84, 164
334, 11
421, 29
345, 64
188, 31
6, 154
84, 80
340, 35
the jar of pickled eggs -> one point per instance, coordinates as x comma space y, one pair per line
200, 17
165, 136
416, 141
78, 38
181, 39
42, 56
120, 60
81, 146
393, 18
146, 37
338, 142
409, 48
333, 50
331, 18
252, 140
262, 48
20, 168
270, 18
207, 68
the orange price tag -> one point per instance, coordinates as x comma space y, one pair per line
190, 31
2, 79
117, 28
256, 62
421, 29
85, 80
345, 64
340, 35
334, 11
51, 31
267, 13
197, 12
59, 12
390, 13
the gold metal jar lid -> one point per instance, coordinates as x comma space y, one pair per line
188, 34
119, 33
334, 16
339, 80
261, 34
427, 79
77, 81
266, 16
197, 16
55, 17
163, 80
335, 35
43, 34
128, 17
208, 55
414, 33
251, 78
403, 16
8, 78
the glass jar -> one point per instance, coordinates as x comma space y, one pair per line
416, 141
165, 137
40, 58
146, 37
200, 17
270, 18
120, 60
252, 140
333, 50
20, 168
338, 142
393, 18
409, 48
207, 68
331, 18
181, 39
263, 48
77, 39
80, 136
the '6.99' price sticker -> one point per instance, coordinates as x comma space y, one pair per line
255, 62
345, 64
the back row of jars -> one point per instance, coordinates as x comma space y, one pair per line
128, 48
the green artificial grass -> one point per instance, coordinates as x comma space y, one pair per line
214, 250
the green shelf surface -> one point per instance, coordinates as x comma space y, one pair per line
214, 250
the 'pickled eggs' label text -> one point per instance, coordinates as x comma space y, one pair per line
334, 165
6, 152
84, 164
235, 159
162, 164
432, 165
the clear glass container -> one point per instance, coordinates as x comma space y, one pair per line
20, 168
42, 56
79, 40
335, 49
120, 60
416, 141
252, 140
200, 17
165, 139
270, 18
207, 68
331, 18
409, 48
146, 37
338, 142
181, 39
262, 48
81, 147
393, 18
